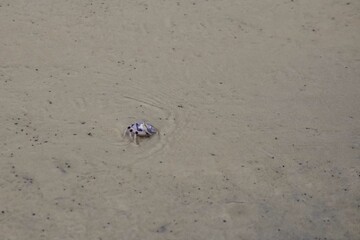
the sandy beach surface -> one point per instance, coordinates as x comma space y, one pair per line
257, 103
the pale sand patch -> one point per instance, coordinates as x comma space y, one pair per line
257, 103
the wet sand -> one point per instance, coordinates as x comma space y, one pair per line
257, 103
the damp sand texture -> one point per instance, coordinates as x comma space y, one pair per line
257, 103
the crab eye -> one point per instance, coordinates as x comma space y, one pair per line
129, 127
130, 130
136, 133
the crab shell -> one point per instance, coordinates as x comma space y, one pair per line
142, 129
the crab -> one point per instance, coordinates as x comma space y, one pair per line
140, 129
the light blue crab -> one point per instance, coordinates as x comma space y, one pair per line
140, 129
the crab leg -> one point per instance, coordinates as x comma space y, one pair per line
135, 138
